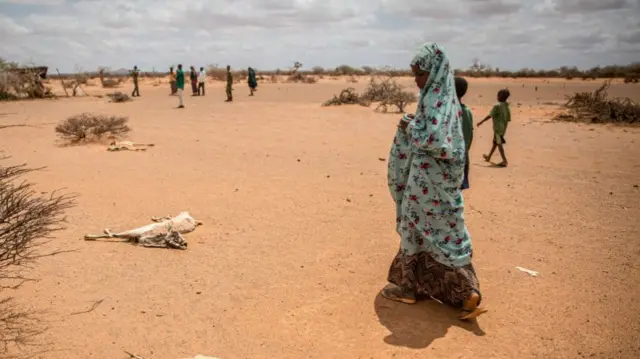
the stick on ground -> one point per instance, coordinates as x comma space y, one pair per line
93, 307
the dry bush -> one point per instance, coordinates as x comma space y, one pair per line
108, 83
632, 79
378, 91
348, 96
27, 220
119, 97
399, 99
597, 107
14, 85
388, 93
300, 77
90, 127
217, 73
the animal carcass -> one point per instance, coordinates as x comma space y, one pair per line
129, 146
165, 232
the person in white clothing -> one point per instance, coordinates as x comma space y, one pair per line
202, 78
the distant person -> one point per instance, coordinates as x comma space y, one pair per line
467, 126
229, 84
172, 81
180, 86
134, 74
501, 115
202, 78
193, 76
253, 82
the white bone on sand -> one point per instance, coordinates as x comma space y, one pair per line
164, 232
129, 146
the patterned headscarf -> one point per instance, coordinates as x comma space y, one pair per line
436, 128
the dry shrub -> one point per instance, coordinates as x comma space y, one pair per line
27, 219
348, 96
632, 79
108, 83
597, 107
388, 93
300, 77
88, 127
217, 73
399, 99
119, 97
14, 85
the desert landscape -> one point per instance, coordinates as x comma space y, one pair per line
299, 227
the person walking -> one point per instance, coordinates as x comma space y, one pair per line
134, 74
180, 86
172, 81
252, 81
193, 76
426, 169
202, 78
229, 84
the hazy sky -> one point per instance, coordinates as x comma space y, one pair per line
269, 34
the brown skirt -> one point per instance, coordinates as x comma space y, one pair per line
425, 277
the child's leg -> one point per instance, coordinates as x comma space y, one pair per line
493, 149
504, 158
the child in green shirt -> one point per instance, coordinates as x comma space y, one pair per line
501, 115
467, 126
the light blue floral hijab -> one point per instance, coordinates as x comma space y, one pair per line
436, 128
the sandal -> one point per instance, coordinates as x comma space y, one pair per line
470, 308
486, 158
395, 293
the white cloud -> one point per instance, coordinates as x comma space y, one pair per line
271, 34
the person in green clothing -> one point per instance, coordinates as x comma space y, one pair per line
501, 115
134, 74
229, 84
180, 85
467, 126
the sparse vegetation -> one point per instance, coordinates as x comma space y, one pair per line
88, 127
348, 96
21, 82
597, 107
119, 97
108, 82
387, 93
26, 219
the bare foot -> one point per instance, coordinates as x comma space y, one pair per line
470, 309
486, 158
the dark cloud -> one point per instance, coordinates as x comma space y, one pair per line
632, 37
494, 7
585, 6
581, 41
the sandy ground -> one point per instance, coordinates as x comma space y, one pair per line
299, 230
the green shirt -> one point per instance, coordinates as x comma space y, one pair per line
229, 79
467, 126
134, 74
180, 79
501, 115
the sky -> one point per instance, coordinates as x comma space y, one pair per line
269, 34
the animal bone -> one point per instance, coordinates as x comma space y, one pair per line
129, 146
165, 232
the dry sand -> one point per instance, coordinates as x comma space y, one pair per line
299, 230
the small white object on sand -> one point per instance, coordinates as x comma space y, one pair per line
528, 271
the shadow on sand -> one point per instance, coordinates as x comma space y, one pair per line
417, 326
